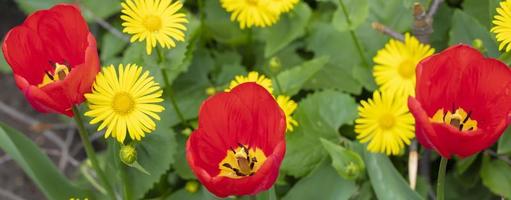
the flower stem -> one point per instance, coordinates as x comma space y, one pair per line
353, 35
440, 186
168, 88
90, 152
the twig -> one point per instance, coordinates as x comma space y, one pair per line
9, 195
105, 24
496, 155
422, 25
413, 160
434, 7
386, 30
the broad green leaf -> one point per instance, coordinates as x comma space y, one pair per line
350, 14
439, 39
220, 27
347, 163
52, 183
324, 40
320, 115
323, 183
181, 165
156, 154
201, 194
292, 80
462, 165
289, 27
387, 182
267, 195
466, 28
504, 145
496, 176
29, 6
110, 46
100, 8
481, 10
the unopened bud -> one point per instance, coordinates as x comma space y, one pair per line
275, 64
128, 154
352, 170
186, 131
479, 45
210, 91
192, 186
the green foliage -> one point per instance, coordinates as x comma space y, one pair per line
37, 165
496, 175
320, 115
292, 80
322, 183
347, 163
350, 14
465, 29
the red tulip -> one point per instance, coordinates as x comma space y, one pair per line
240, 144
462, 102
53, 57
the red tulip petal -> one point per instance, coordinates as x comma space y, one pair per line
25, 54
439, 77
40, 100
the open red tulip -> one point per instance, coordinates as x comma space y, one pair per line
240, 142
53, 57
462, 102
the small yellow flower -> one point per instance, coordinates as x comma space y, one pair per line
125, 101
155, 21
502, 22
288, 106
283, 6
252, 77
385, 123
250, 13
395, 65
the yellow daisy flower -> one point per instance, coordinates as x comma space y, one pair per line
385, 123
502, 22
288, 106
125, 101
250, 13
155, 21
395, 65
283, 6
252, 77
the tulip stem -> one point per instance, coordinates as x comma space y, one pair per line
168, 88
91, 153
440, 186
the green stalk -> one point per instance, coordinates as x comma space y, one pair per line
91, 154
440, 186
168, 88
353, 35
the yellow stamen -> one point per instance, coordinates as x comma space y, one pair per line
460, 119
59, 73
241, 162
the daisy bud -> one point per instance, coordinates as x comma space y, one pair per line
128, 154
192, 186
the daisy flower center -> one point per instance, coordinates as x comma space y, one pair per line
152, 23
459, 118
123, 103
407, 69
387, 121
241, 162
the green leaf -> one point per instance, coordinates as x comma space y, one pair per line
201, 194
388, 183
267, 195
37, 165
181, 165
504, 145
219, 25
111, 45
29, 6
156, 153
292, 80
347, 163
287, 29
462, 165
481, 10
320, 115
466, 28
100, 8
323, 183
324, 40
350, 14
4, 67
496, 175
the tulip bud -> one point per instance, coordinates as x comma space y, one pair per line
128, 154
210, 91
192, 186
275, 64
